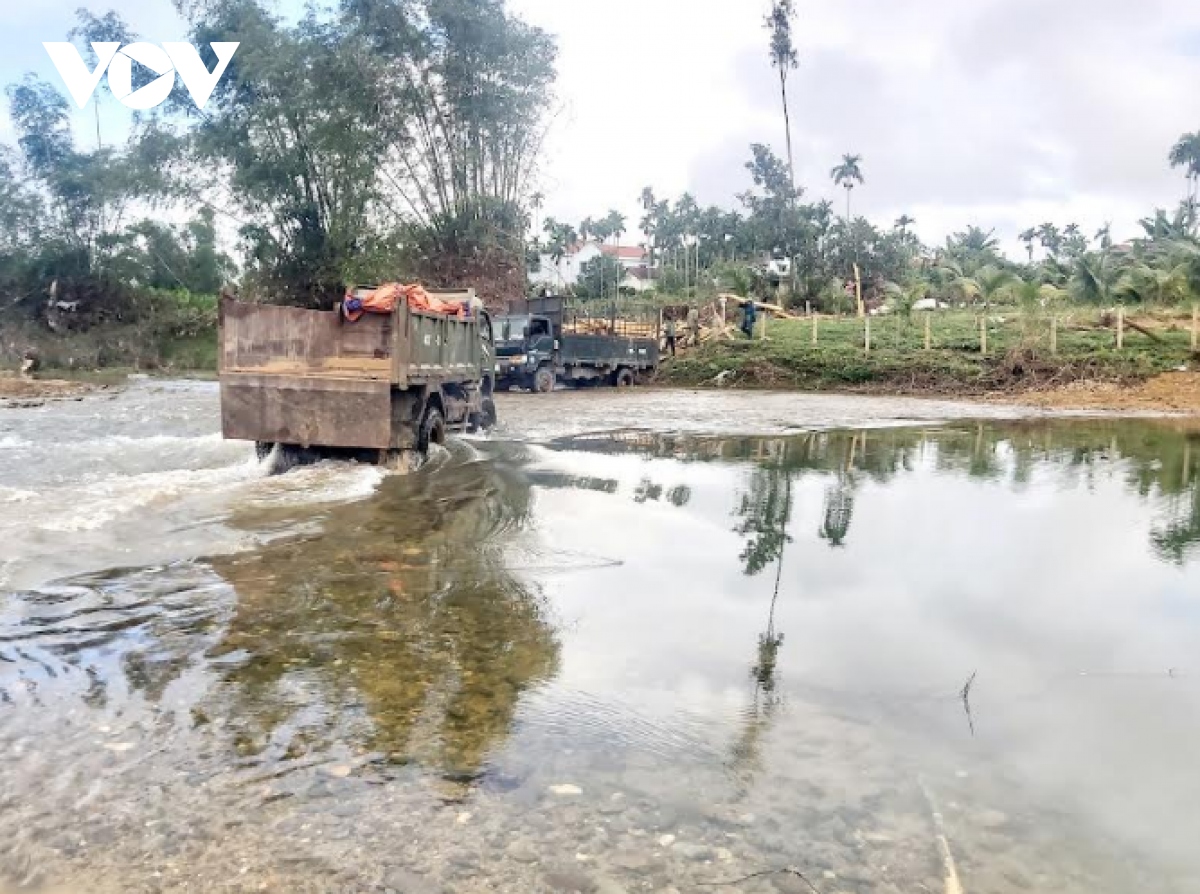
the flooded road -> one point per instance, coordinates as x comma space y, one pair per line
644, 642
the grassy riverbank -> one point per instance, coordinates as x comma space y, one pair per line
1023, 353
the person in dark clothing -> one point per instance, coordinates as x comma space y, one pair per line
749, 316
670, 331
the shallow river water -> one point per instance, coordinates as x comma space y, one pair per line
630, 642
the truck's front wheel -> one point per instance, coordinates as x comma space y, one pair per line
433, 430
623, 378
543, 380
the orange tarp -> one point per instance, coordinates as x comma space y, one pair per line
384, 299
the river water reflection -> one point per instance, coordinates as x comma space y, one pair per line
638, 661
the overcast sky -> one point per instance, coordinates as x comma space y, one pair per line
1004, 113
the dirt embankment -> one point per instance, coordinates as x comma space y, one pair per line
23, 392
1174, 392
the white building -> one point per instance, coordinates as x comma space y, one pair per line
566, 272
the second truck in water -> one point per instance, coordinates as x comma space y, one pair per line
580, 344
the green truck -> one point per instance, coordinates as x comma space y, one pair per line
306, 384
582, 344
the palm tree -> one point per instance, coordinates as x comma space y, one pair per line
988, 285
847, 174
903, 222
536, 202
1186, 154
615, 222
647, 223
1050, 238
1094, 279
1153, 285
784, 58
1104, 236
1028, 237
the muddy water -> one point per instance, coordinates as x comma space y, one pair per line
632, 642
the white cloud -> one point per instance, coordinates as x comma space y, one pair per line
994, 112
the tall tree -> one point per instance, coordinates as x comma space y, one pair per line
846, 175
1029, 236
784, 58
1186, 154
1051, 239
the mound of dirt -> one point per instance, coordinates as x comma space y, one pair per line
15, 388
1175, 392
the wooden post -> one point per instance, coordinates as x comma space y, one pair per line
763, 334
1195, 326
1053, 335
983, 334
862, 311
814, 337
867, 335
1120, 328
808, 308
928, 331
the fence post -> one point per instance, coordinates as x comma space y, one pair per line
928, 331
1120, 328
814, 334
808, 308
983, 334
1195, 326
1053, 334
867, 335
763, 334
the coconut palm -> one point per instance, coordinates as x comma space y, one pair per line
536, 202
1153, 285
784, 58
1094, 279
846, 175
1104, 236
1051, 239
987, 286
1028, 237
1186, 154
903, 222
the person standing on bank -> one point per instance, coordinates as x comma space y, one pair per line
670, 332
749, 316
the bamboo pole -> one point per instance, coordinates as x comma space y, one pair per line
928, 331
1120, 328
814, 332
862, 312
983, 334
1053, 335
867, 335
1195, 326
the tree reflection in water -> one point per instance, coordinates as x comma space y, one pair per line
396, 630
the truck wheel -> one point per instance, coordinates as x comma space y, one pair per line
623, 378
543, 380
489, 414
433, 430
262, 449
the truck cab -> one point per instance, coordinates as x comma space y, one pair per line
525, 352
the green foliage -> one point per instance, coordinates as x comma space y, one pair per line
599, 277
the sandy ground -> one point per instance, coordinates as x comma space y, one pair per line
15, 388
1176, 392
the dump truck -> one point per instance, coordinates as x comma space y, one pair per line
307, 384
552, 340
